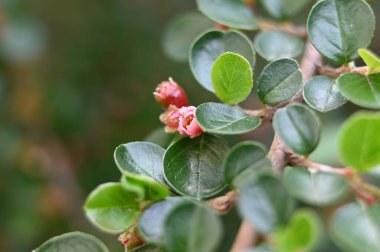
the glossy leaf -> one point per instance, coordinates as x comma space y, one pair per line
180, 33
371, 60
359, 141
356, 227
315, 188
321, 93
299, 128
112, 208
144, 187
232, 13
194, 167
132, 157
338, 28
279, 81
152, 221
265, 203
232, 78
73, 242
245, 156
282, 9
209, 46
301, 233
223, 119
272, 45
361, 90
191, 227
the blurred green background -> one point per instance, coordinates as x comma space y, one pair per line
76, 80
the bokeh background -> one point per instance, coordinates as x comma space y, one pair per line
76, 80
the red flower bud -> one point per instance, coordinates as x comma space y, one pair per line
171, 118
170, 93
188, 125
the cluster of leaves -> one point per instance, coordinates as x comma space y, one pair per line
205, 167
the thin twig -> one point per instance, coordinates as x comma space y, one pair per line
247, 237
289, 28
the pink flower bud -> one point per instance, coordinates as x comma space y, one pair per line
170, 93
171, 118
188, 125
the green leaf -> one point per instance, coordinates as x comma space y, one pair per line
301, 234
191, 227
282, 9
145, 187
279, 81
141, 158
321, 93
299, 128
209, 46
112, 208
359, 141
223, 119
361, 90
371, 60
232, 78
180, 33
73, 242
194, 166
272, 45
338, 28
232, 13
356, 227
315, 188
265, 203
245, 156
152, 221
147, 248
159, 137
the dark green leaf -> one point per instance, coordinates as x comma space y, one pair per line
191, 227
322, 94
371, 60
279, 81
272, 45
194, 167
265, 203
180, 33
111, 207
141, 158
223, 119
282, 9
151, 223
338, 28
208, 47
232, 78
299, 128
232, 13
73, 242
359, 141
360, 89
356, 227
315, 188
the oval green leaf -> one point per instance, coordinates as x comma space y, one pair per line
360, 89
282, 9
371, 60
112, 208
272, 45
194, 167
299, 128
315, 188
224, 119
279, 81
265, 203
209, 46
73, 242
141, 158
338, 28
232, 78
180, 33
356, 227
232, 13
191, 227
359, 141
321, 93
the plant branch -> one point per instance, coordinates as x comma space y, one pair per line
247, 237
223, 203
335, 72
289, 28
